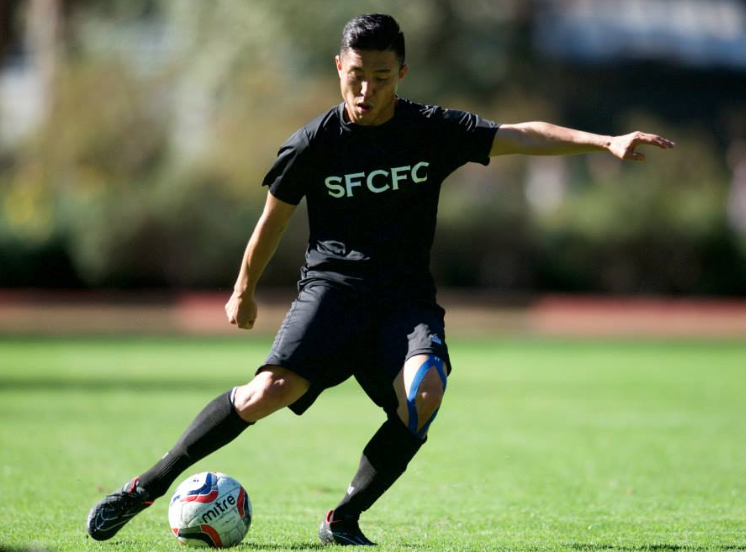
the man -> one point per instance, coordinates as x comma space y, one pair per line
370, 170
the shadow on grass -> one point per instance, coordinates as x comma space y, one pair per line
4, 549
585, 547
293, 546
118, 384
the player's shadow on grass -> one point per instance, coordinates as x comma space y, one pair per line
293, 546
111, 384
4, 549
658, 547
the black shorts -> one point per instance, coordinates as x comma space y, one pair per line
332, 333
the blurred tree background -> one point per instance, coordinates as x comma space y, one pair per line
134, 135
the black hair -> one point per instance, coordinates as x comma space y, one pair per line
374, 31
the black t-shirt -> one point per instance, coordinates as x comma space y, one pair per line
372, 192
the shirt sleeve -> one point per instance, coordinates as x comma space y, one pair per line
289, 174
467, 137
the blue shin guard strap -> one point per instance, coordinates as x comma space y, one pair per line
411, 396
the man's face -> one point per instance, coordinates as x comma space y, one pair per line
368, 80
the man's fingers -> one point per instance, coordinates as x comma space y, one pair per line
652, 139
228, 314
247, 325
663, 143
624, 147
243, 324
241, 315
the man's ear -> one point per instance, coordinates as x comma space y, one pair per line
403, 71
338, 63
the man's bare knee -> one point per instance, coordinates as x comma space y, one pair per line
421, 387
272, 389
429, 395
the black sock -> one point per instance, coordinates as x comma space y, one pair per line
384, 459
217, 425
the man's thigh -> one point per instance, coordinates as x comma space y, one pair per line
322, 325
399, 336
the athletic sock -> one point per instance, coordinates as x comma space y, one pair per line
215, 426
384, 459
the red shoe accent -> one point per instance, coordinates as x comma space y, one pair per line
133, 484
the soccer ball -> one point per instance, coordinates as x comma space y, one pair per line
210, 509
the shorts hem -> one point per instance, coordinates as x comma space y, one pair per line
304, 402
431, 351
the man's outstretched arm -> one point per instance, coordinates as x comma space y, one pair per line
537, 138
241, 307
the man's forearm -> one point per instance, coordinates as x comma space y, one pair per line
263, 243
539, 138
260, 249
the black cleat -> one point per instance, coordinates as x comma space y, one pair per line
114, 511
345, 532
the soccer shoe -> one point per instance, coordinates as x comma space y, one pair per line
114, 511
342, 531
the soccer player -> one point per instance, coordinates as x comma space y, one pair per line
370, 169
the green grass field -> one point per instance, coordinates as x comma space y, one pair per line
540, 445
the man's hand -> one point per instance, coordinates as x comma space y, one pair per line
623, 147
241, 310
